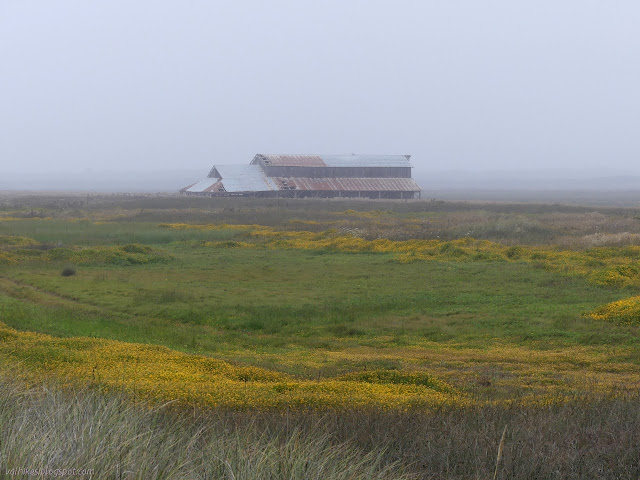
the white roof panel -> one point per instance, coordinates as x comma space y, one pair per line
202, 185
245, 178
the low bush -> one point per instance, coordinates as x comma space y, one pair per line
68, 271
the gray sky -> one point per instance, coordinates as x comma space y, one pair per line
461, 85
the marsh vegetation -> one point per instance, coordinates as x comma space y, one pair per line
405, 335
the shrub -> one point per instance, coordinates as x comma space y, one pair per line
136, 248
513, 253
68, 271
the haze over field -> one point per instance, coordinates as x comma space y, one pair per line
146, 96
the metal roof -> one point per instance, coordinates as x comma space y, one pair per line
205, 185
235, 178
293, 160
245, 178
334, 160
348, 184
253, 178
366, 160
208, 185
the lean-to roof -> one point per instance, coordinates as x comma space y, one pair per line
235, 178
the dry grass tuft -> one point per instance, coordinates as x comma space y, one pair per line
610, 239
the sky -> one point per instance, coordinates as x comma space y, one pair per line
461, 85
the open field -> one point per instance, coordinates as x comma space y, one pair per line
404, 312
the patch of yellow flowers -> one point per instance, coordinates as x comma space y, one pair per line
426, 379
603, 266
159, 373
9, 218
16, 249
627, 311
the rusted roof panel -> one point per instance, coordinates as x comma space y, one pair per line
334, 160
187, 187
366, 160
348, 184
205, 185
293, 160
216, 187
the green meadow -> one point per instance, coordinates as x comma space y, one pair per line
406, 310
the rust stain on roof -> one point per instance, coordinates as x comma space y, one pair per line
294, 160
216, 187
347, 184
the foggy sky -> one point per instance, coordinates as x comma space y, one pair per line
461, 85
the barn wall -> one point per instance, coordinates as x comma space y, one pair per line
308, 194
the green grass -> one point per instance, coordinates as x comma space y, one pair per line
252, 305
212, 300
84, 232
493, 329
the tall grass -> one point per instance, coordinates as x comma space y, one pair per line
46, 428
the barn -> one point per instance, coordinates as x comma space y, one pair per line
319, 176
